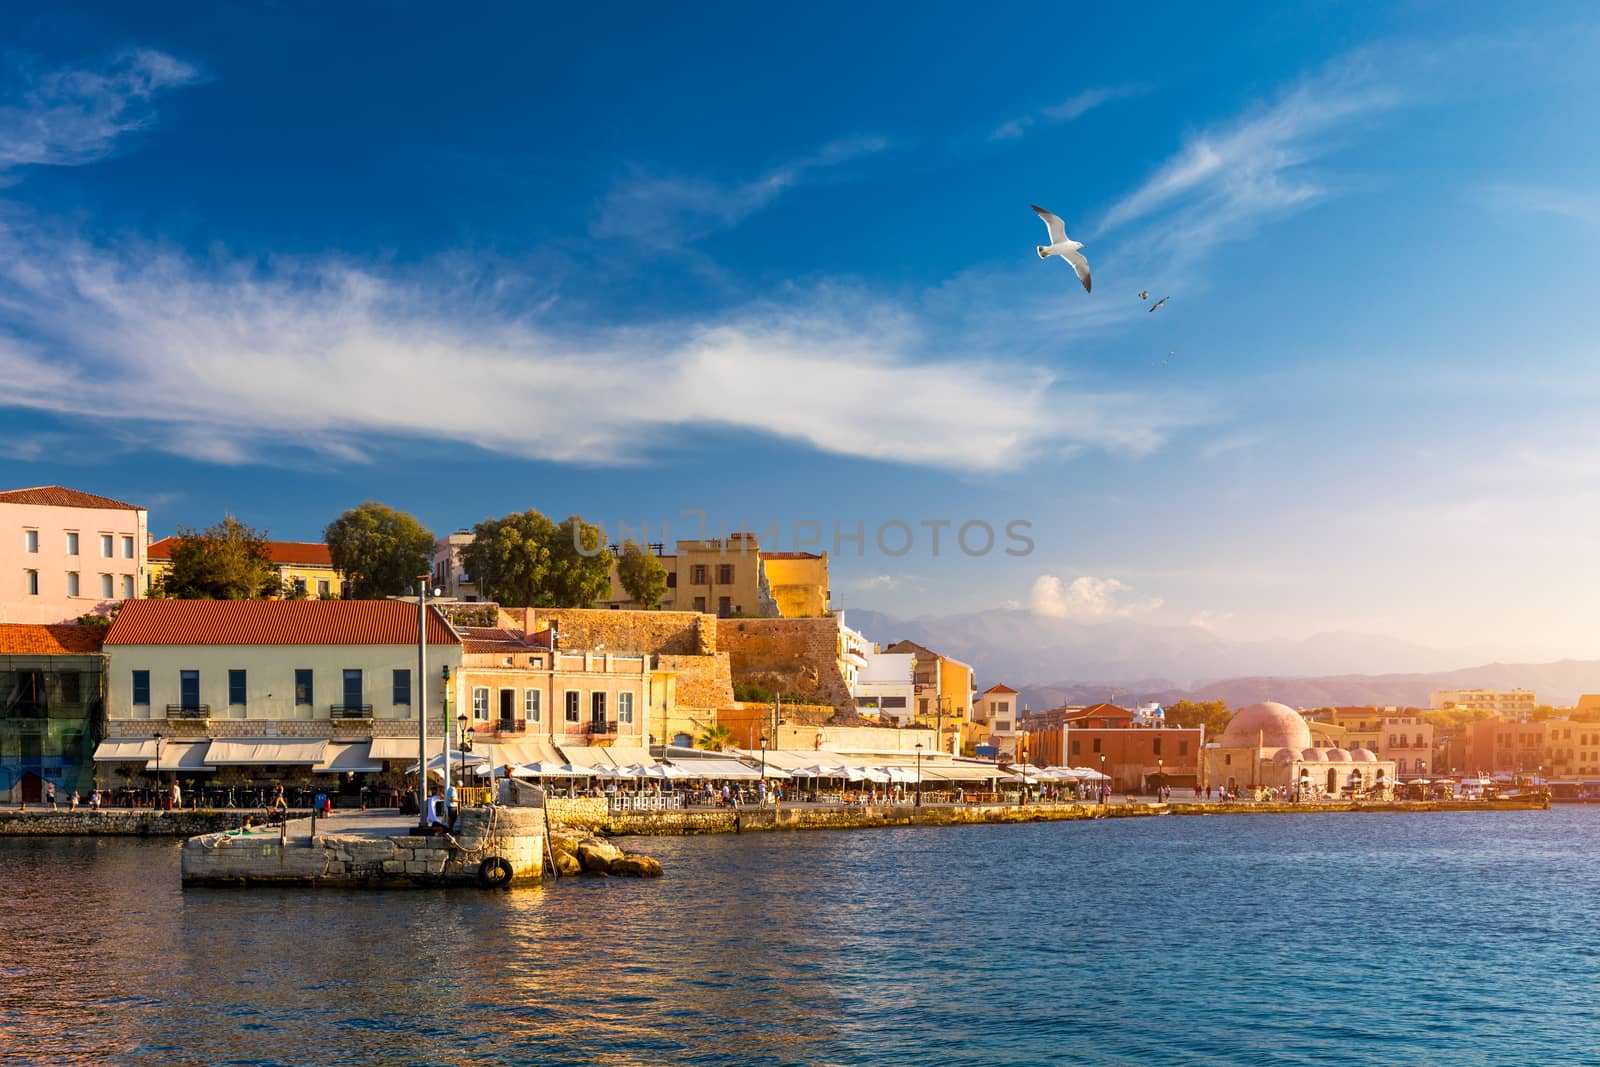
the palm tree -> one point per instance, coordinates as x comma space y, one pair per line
712, 738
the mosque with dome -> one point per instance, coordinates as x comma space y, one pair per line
1269, 746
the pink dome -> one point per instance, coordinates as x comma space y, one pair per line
1364, 755
1314, 755
1285, 755
1269, 725
1338, 755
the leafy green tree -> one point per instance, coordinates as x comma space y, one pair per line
227, 561
642, 575
714, 738
379, 550
525, 560
1212, 714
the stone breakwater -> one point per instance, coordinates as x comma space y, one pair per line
591, 815
575, 854
494, 847
134, 822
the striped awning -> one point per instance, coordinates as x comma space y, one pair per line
260, 751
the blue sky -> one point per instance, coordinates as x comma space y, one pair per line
779, 268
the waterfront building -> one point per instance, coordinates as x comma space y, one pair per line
884, 686
733, 577
997, 712
1512, 703
263, 691
1138, 752
66, 553
1407, 738
305, 568
943, 686
52, 708
1269, 746
1557, 748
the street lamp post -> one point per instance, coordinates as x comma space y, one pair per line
1161, 778
156, 800
761, 786
422, 700
1105, 783
919, 774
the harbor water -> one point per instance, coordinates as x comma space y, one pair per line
1287, 939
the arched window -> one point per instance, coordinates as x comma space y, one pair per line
1420, 742
1333, 780
683, 740
1400, 766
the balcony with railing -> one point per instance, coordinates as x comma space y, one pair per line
349, 711
600, 728
511, 726
188, 711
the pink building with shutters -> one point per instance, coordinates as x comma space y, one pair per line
64, 553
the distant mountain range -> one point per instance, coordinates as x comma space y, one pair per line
1131, 661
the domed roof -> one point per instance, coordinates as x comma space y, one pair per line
1338, 755
1364, 755
1285, 755
1268, 726
1314, 755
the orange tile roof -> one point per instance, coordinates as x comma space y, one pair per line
304, 553
998, 689
274, 622
61, 497
61, 639
790, 555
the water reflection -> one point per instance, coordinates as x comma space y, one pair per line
1291, 939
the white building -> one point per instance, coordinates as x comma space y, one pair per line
885, 684
997, 710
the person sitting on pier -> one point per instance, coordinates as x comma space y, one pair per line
434, 813
247, 827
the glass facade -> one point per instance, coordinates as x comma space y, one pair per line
52, 715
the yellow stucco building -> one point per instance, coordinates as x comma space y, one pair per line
305, 566
731, 576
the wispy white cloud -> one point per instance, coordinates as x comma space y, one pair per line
1069, 109
1567, 204
235, 362
1087, 598
72, 117
1253, 166
878, 581
670, 212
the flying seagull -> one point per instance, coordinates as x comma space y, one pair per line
1061, 245
1145, 295
1164, 362
1158, 303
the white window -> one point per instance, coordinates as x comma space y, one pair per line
127, 587
107, 590
1002, 726
72, 583
625, 708
31, 537
530, 704
106, 544
480, 704
33, 583
127, 547
72, 544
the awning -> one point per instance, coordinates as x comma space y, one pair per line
607, 756
960, 772
717, 768
183, 756
344, 757
125, 750
406, 747
263, 751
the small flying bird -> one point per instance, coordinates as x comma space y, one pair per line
1164, 362
1158, 303
1145, 295
1061, 245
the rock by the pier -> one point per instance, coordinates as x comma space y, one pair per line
596, 855
636, 866
563, 842
567, 864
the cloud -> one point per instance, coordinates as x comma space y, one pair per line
1086, 598
67, 118
1066, 111
234, 362
670, 212
1252, 166
1210, 620
878, 581
1581, 207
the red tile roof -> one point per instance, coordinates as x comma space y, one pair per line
62, 639
274, 622
998, 689
790, 555
61, 497
500, 639
304, 553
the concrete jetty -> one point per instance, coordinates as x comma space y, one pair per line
494, 846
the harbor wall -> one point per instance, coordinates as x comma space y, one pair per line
126, 822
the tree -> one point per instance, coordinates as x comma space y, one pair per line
713, 738
642, 575
379, 550
1212, 714
227, 561
525, 560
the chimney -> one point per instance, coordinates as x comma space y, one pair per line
527, 621
552, 628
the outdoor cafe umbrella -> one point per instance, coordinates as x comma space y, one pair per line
1090, 775
457, 760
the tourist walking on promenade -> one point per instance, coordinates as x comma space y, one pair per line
50, 795
452, 806
73, 803
278, 801
177, 796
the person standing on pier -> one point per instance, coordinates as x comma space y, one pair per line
50, 795
452, 806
